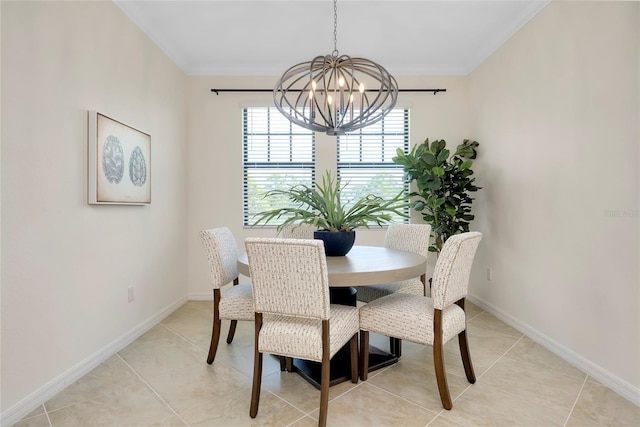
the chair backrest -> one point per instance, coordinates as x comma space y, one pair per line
222, 253
297, 231
409, 237
452, 270
289, 276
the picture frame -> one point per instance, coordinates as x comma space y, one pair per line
119, 162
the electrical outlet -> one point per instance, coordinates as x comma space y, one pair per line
489, 274
130, 294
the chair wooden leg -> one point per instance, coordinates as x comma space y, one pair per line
364, 355
215, 329
283, 363
464, 350
354, 358
289, 364
466, 357
324, 375
257, 370
232, 331
438, 360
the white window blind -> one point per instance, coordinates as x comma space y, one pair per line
276, 155
365, 158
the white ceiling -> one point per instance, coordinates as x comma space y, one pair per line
264, 37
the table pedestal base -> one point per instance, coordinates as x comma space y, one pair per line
341, 361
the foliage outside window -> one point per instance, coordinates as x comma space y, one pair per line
365, 159
276, 155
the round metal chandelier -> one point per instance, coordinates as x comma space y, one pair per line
335, 93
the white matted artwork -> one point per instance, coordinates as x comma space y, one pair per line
119, 163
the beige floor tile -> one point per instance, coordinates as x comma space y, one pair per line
206, 306
299, 392
574, 421
233, 410
368, 405
34, 421
38, 411
489, 340
241, 359
599, 404
471, 309
172, 359
482, 405
305, 422
196, 386
480, 359
488, 321
534, 383
171, 421
526, 350
160, 351
192, 324
132, 406
108, 377
413, 378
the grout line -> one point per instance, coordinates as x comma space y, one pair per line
46, 413
152, 390
402, 398
576, 401
501, 357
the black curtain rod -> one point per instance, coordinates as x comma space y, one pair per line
217, 91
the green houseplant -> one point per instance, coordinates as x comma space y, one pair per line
444, 183
323, 207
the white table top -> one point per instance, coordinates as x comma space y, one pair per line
366, 265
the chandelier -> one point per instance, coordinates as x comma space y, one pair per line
335, 93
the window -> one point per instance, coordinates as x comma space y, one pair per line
276, 154
365, 158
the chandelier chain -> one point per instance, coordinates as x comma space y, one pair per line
335, 29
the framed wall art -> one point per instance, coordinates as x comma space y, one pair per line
119, 163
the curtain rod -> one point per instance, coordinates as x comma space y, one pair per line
217, 91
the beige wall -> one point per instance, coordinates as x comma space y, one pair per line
215, 152
557, 108
67, 265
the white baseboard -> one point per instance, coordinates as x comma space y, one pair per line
615, 383
47, 391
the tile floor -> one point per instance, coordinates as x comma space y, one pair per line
162, 379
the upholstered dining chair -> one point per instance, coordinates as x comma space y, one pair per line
235, 302
297, 231
406, 237
293, 315
428, 321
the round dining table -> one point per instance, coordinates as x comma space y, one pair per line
366, 265
363, 265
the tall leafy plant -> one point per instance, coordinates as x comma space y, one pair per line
323, 207
444, 185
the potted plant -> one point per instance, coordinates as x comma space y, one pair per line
444, 185
334, 218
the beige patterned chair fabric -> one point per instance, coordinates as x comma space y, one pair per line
233, 302
291, 288
294, 317
297, 231
430, 321
406, 237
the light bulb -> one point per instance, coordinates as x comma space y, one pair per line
361, 87
329, 99
341, 81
